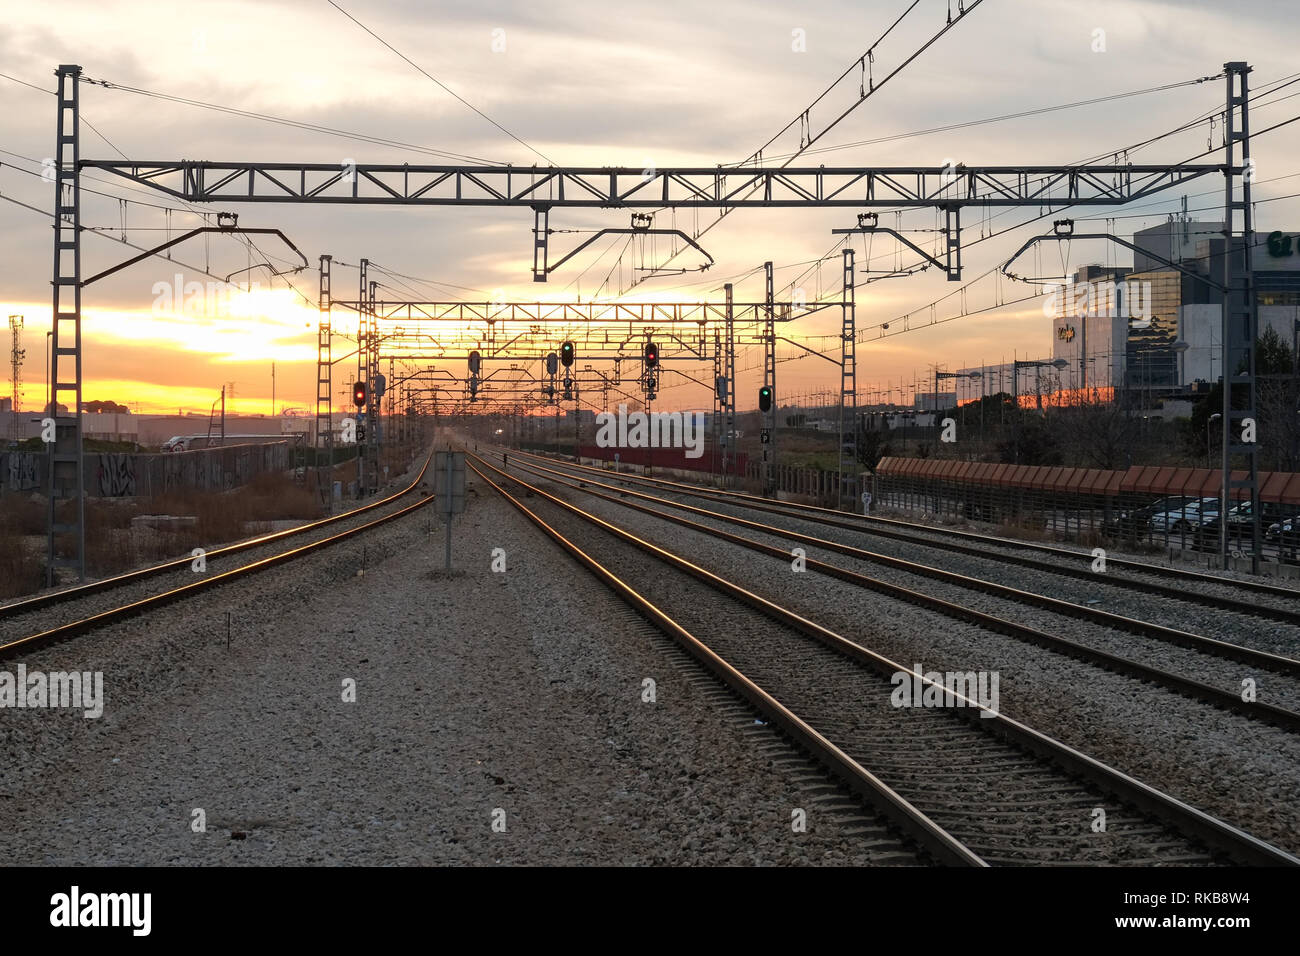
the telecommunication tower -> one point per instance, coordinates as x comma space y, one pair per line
16, 368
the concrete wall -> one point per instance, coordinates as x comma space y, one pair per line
128, 475
156, 429
153, 430
21, 472
208, 469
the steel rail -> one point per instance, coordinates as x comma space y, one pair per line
1192, 822
1198, 690
874, 791
74, 628
51, 598
883, 527
1169, 635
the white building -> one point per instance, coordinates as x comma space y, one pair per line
1152, 330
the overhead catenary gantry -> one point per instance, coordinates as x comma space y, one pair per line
945, 189
613, 331
525, 332
614, 187
561, 313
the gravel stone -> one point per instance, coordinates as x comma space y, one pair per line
477, 692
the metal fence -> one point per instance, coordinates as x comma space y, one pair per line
822, 486
1140, 507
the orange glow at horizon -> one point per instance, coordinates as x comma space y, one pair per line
174, 355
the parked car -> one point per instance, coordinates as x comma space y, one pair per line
1282, 528
1137, 521
1239, 522
1286, 535
1186, 517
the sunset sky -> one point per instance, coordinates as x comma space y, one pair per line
666, 84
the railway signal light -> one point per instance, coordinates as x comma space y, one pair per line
475, 360
550, 363
722, 388
359, 394
651, 355
566, 354
765, 398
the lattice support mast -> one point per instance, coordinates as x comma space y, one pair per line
1240, 325
848, 455
66, 527
363, 415
769, 380
325, 392
729, 433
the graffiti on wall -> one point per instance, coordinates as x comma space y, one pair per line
121, 475
115, 476
20, 471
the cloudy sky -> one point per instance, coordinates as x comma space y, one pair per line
590, 84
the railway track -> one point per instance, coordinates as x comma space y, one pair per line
1281, 670
971, 785
84, 609
1256, 599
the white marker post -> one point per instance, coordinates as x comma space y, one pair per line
866, 501
449, 488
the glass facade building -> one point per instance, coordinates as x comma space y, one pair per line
1140, 334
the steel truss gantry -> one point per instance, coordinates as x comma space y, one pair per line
539, 318
699, 187
541, 189
574, 313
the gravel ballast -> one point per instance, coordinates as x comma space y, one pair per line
511, 699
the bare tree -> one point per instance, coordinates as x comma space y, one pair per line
1098, 434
